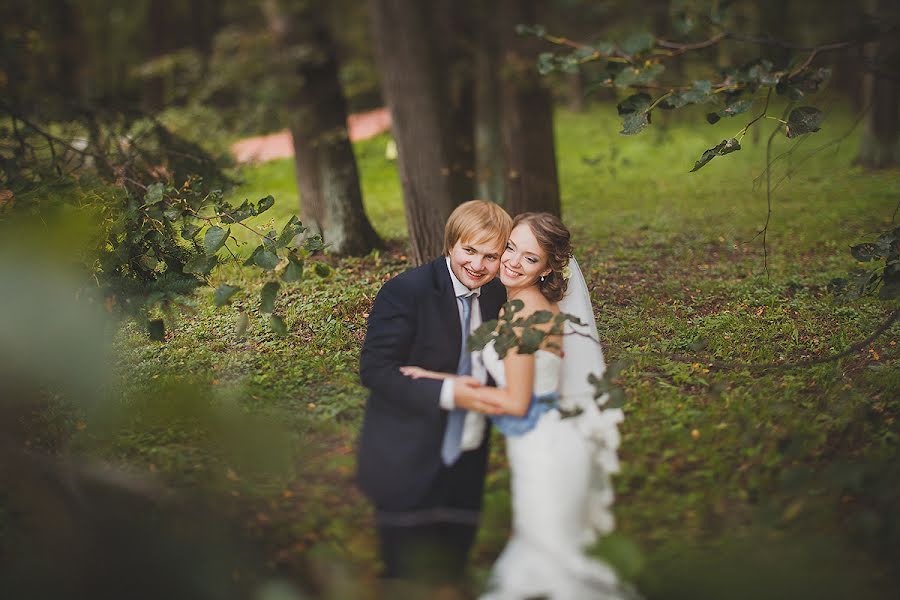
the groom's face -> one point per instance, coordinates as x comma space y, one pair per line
475, 264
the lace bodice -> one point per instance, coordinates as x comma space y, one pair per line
546, 369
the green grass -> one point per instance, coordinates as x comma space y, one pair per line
788, 472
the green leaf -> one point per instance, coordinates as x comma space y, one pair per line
189, 231
804, 119
614, 369
735, 108
214, 239
539, 317
721, 149
157, 330
481, 336
807, 82
638, 76
201, 265
290, 230
546, 63
638, 43
616, 398
511, 308
251, 260
174, 213
699, 92
240, 325
244, 211
155, 193
634, 123
314, 244
633, 111
266, 259
601, 386
603, 47
294, 270
278, 326
322, 270
269, 240
865, 252
224, 293
538, 30
531, 340
265, 204
267, 296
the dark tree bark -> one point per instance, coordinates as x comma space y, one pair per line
413, 86
456, 27
327, 177
878, 148
527, 118
159, 41
489, 160
774, 23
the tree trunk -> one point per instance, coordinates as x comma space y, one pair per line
455, 25
159, 36
878, 148
774, 20
489, 161
327, 178
411, 81
527, 118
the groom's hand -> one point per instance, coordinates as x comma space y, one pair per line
468, 394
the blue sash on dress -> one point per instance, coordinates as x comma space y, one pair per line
511, 425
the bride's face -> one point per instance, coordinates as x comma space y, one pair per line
523, 262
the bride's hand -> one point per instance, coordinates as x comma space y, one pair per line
469, 394
419, 372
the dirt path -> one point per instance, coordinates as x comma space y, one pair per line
262, 148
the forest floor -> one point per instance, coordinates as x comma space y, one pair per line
736, 483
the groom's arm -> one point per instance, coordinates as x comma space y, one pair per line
389, 336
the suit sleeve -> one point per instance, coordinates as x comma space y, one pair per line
389, 337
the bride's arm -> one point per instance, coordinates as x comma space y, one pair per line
515, 398
419, 372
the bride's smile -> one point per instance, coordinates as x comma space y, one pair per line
523, 260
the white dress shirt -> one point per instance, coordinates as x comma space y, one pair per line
473, 426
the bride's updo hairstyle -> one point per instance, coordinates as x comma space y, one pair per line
554, 239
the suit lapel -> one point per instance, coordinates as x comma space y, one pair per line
445, 298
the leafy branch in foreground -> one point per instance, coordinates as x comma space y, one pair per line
886, 274
156, 211
529, 334
638, 63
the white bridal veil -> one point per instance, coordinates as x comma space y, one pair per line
582, 355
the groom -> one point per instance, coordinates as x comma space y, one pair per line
422, 454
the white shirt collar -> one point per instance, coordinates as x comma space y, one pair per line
458, 288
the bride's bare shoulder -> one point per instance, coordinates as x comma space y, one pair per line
535, 302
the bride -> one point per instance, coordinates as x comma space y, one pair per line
560, 466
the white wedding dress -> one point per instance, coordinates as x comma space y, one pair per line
561, 491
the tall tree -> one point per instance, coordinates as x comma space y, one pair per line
490, 164
526, 117
413, 86
878, 148
327, 177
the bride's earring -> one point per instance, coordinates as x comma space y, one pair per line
542, 279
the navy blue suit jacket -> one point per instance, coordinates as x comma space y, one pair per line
414, 321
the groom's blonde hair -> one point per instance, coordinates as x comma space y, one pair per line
477, 221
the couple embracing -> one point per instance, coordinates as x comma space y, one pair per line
424, 444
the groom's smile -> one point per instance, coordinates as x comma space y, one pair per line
475, 263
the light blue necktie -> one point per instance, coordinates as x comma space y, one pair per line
450, 449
